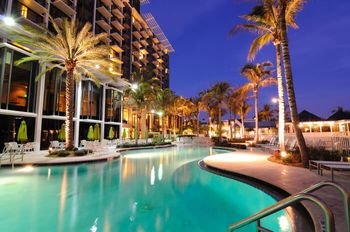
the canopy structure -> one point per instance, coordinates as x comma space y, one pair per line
90, 135
22, 135
97, 132
111, 133
62, 133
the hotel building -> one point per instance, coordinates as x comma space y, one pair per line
136, 42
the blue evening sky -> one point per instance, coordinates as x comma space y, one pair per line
204, 53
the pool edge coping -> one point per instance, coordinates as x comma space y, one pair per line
274, 191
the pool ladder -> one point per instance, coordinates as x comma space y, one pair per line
304, 195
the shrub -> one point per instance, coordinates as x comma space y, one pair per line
231, 145
323, 154
143, 145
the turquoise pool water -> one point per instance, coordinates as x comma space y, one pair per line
144, 191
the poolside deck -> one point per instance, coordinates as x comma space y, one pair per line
254, 163
40, 158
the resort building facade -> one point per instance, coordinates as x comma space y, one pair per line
41, 104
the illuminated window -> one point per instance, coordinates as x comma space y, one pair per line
24, 11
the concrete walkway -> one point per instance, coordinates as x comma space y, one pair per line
254, 163
41, 158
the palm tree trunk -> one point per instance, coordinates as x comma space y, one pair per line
229, 123
234, 124
163, 128
256, 117
137, 127
219, 122
243, 128
69, 110
281, 110
290, 84
174, 126
198, 124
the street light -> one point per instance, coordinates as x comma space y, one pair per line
153, 111
8, 21
274, 100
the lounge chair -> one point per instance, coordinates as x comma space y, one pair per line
334, 167
318, 163
56, 145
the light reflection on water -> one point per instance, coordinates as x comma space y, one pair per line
164, 191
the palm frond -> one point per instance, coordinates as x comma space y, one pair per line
257, 44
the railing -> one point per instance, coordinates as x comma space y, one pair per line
303, 195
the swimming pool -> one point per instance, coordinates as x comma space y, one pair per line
145, 190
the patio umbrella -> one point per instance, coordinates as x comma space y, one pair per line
111, 133
97, 132
90, 135
22, 132
62, 133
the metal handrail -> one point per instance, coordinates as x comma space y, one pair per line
299, 197
327, 213
341, 189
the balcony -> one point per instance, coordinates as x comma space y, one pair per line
116, 59
116, 48
117, 36
28, 16
103, 10
38, 6
118, 13
137, 64
137, 35
137, 25
144, 43
136, 44
144, 34
103, 24
116, 23
107, 2
67, 6
119, 3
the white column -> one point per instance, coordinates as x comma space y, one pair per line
103, 112
78, 94
39, 106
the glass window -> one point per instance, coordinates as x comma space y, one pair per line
49, 132
18, 84
9, 127
55, 93
113, 108
91, 101
3, 4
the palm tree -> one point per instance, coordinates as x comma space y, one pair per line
266, 112
283, 13
232, 102
263, 21
258, 76
139, 98
217, 94
75, 52
163, 100
199, 106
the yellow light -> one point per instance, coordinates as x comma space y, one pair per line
97, 66
284, 154
110, 69
26, 169
9, 21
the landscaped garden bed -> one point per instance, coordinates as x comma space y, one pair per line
65, 153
